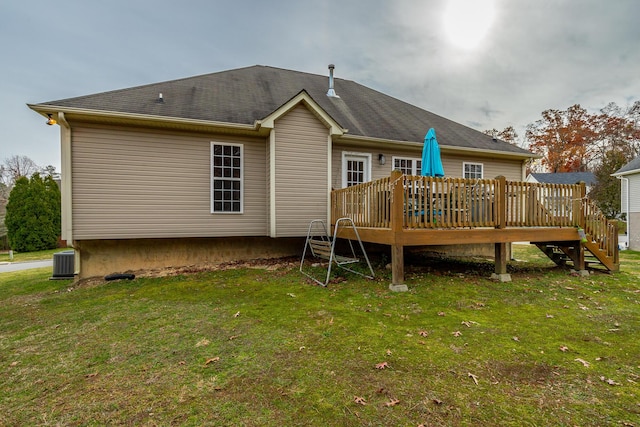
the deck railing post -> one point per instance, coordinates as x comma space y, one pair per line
501, 202
397, 201
397, 224
580, 206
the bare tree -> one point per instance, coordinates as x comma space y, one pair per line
16, 166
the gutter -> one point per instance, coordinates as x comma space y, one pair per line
56, 110
443, 148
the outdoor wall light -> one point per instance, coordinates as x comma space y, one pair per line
51, 120
382, 159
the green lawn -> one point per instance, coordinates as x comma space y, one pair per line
262, 347
30, 256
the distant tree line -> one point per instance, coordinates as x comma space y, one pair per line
574, 140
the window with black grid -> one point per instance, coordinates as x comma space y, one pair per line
408, 166
472, 170
226, 178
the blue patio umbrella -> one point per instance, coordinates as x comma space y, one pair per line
431, 161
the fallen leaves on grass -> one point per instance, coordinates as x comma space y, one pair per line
456, 334
423, 333
213, 359
91, 375
359, 400
584, 362
564, 348
203, 342
441, 313
516, 339
608, 381
182, 363
473, 377
388, 352
468, 323
392, 402
382, 365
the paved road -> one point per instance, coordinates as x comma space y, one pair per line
17, 266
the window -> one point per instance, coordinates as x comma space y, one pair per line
472, 170
356, 168
408, 166
226, 178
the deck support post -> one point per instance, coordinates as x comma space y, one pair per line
578, 257
501, 258
397, 224
501, 223
397, 269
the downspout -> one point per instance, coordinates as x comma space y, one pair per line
66, 193
273, 229
627, 208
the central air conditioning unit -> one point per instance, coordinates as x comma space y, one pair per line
63, 265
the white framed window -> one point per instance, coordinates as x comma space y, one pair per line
356, 168
408, 165
226, 178
472, 170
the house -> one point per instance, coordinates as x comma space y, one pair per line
564, 178
629, 175
235, 164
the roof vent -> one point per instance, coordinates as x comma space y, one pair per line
160, 98
331, 92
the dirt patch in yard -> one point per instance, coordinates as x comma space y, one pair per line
269, 264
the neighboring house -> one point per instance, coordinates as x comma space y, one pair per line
629, 175
564, 178
235, 164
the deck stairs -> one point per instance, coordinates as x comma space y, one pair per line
569, 253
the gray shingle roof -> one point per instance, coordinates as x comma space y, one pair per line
631, 166
566, 178
245, 95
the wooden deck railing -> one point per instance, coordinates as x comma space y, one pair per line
542, 205
429, 202
602, 231
368, 204
448, 202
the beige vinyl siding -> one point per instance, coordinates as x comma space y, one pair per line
377, 171
491, 168
148, 184
511, 169
634, 188
301, 172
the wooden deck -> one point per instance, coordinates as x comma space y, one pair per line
403, 210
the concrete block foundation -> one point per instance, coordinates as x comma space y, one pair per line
102, 257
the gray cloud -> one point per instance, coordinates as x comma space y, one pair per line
536, 56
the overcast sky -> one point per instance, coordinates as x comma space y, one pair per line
512, 60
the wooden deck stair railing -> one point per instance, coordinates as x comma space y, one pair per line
601, 235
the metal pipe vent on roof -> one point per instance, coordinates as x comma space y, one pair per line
331, 92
